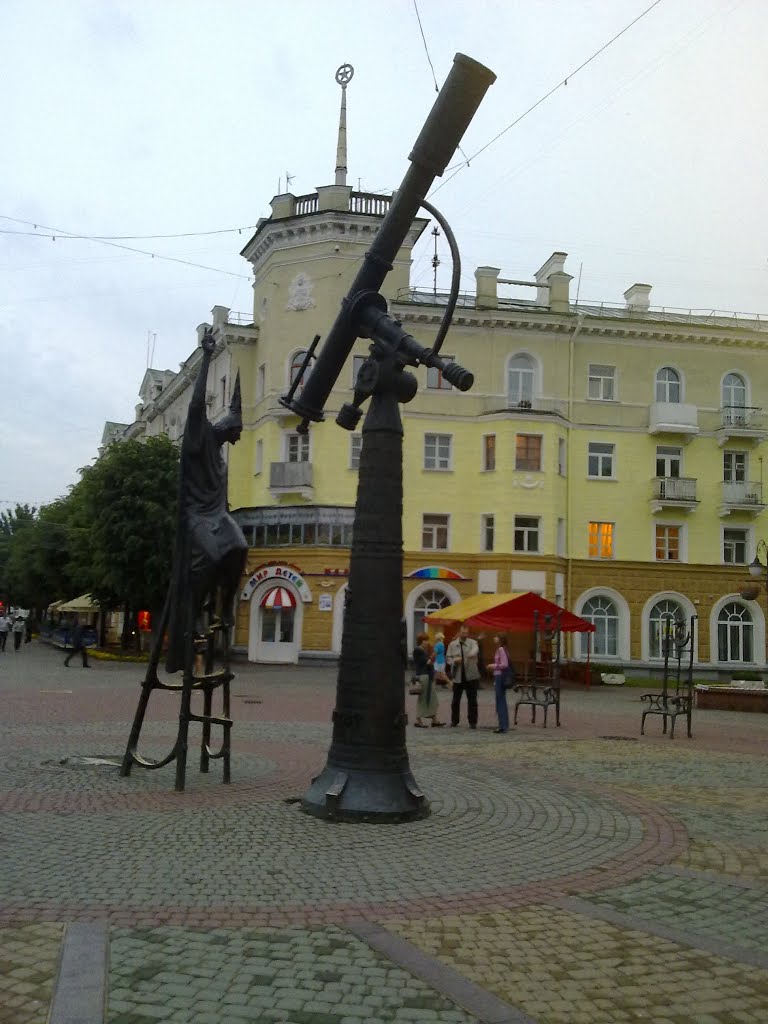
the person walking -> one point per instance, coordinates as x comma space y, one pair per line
438, 661
462, 655
78, 646
19, 627
5, 628
502, 671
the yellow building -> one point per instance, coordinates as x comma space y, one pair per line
608, 457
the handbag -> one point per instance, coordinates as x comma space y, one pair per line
509, 679
415, 687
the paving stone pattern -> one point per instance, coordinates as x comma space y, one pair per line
568, 876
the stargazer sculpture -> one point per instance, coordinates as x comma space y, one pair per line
367, 775
208, 561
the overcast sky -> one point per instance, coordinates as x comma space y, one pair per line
157, 117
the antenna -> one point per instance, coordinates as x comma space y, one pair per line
288, 179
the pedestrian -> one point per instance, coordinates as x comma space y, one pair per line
29, 625
78, 645
426, 702
5, 628
438, 661
19, 627
502, 675
462, 655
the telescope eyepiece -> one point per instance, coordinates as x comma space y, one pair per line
458, 376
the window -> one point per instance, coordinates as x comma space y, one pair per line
662, 616
735, 467
488, 528
296, 363
562, 457
355, 447
434, 533
357, 362
560, 550
489, 452
667, 543
428, 603
528, 452
734, 391
667, 385
735, 547
527, 533
435, 379
259, 459
734, 633
520, 381
602, 382
297, 447
600, 540
600, 460
261, 378
602, 613
668, 461
437, 451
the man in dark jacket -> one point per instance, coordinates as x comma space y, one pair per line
78, 646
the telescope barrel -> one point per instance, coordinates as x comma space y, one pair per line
443, 130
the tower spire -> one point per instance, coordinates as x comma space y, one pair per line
343, 77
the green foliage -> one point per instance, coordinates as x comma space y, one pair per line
37, 572
12, 525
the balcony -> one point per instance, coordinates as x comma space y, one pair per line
673, 492
673, 418
742, 496
290, 478
741, 423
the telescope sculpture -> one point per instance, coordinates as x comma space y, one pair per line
367, 775
208, 561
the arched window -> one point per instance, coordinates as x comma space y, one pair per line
734, 633
426, 604
296, 362
734, 391
520, 379
604, 616
667, 385
661, 613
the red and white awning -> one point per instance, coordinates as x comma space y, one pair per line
278, 597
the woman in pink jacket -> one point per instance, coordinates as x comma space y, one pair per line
501, 677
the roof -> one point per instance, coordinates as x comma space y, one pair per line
84, 603
510, 612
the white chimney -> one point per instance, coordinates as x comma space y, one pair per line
554, 265
638, 297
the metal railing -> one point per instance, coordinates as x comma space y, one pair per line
742, 492
290, 474
674, 488
242, 319
743, 416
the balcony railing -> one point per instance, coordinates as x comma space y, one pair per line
675, 489
290, 476
527, 406
742, 492
743, 417
306, 204
367, 202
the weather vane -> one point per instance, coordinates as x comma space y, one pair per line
344, 75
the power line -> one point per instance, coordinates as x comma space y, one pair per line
125, 238
426, 48
458, 167
68, 235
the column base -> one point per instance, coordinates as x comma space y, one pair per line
351, 794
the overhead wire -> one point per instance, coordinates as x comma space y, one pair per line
563, 82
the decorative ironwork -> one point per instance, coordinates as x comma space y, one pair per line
677, 640
541, 689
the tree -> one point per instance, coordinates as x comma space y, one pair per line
12, 524
37, 564
122, 524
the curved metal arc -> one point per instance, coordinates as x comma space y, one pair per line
143, 762
455, 276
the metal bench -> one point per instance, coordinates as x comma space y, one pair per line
541, 687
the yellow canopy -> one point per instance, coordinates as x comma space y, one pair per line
84, 603
55, 606
468, 607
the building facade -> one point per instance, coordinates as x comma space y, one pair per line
608, 457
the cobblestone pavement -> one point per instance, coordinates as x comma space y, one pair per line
564, 875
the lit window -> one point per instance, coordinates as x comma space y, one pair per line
489, 526
527, 533
600, 537
435, 379
434, 533
600, 461
735, 547
355, 447
667, 385
602, 383
667, 543
489, 452
297, 447
437, 451
528, 452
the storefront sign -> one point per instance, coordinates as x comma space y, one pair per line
284, 573
325, 603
